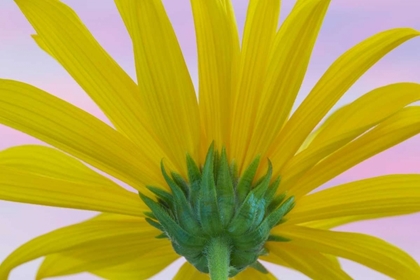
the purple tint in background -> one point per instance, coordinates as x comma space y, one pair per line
347, 23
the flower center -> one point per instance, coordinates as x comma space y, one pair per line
215, 204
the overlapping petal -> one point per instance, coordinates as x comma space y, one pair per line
394, 130
124, 259
115, 230
218, 49
165, 85
258, 39
289, 59
63, 35
364, 249
341, 75
380, 196
41, 175
76, 132
347, 123
310, 262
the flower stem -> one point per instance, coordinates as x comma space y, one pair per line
218, 257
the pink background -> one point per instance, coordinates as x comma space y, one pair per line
348, 22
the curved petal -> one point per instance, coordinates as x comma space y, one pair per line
309, 262
394, 130
124, 259
62, 34
364, 249
380, 196
189, 272
289, 60
41, 175
334, 83
260, 30
115, 229
141, 268
74, 131
162, 75
347, 123
218, 49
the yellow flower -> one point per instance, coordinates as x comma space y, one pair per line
222, 211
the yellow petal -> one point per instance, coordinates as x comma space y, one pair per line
113, 230
334, 83
310, 262
380, 196
165, 84
141, 256
335, 222
394, 130
260, 30
62, 34
189, 272
364, 249
144, 267
74, 131
289, 60
251, 273
218, 48
349, 122
41, 175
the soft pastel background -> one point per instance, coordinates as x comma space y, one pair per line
348, 22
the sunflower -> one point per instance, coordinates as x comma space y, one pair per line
224, 181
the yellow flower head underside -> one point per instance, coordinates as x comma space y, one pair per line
245, 98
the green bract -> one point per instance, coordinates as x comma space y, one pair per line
215, 203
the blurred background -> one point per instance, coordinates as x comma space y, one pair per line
347, 23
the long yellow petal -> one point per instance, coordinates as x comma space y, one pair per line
218, 48
364, 249
289, 60
165, 84
112, 230
189, 272
335, 222
141, 268
62, 34
41, 175
74, 131
380, 196
349, 122
141, 256
260, 30
310, 262
394, 130
334, 83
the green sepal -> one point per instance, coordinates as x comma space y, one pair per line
241, 259
272, 190
245, 182
194, 177
280, 212
275, 203
225, 191
183, 212
260, 190
161, 236
162, 195
181, 183
259, 267
278, 238
150, 215
207, 203
154, 224
252, 210
171, 228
